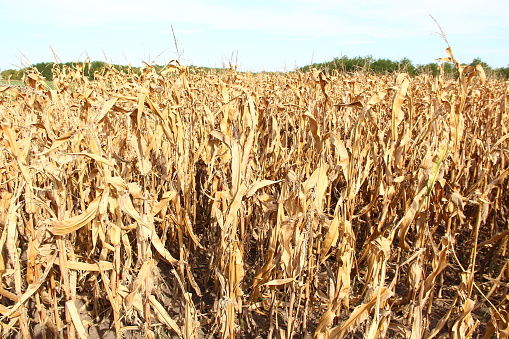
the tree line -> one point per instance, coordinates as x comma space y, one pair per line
384, 66
89, 69
46, 69
343, 64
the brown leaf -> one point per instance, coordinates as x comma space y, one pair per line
62, 227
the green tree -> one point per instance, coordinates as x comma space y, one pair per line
502, 72
11, 74
430, 68
405, 65
478, 61
45, 69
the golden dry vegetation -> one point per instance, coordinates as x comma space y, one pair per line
241, 205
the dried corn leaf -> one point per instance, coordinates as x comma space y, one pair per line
332, 235
57, 142
163, 316
96, 158
32, 288
165, 199
360, 313
117, 182
62, 227
259, 184
409, 216
278, 282
108, 105
81, 266
76, 320
402, 83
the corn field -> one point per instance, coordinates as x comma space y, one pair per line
298, 205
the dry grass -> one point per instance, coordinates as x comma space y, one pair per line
236, 205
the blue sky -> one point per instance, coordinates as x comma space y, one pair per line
256, 35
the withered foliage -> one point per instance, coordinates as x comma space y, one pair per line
240, 205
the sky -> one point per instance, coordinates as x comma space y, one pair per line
263, 35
